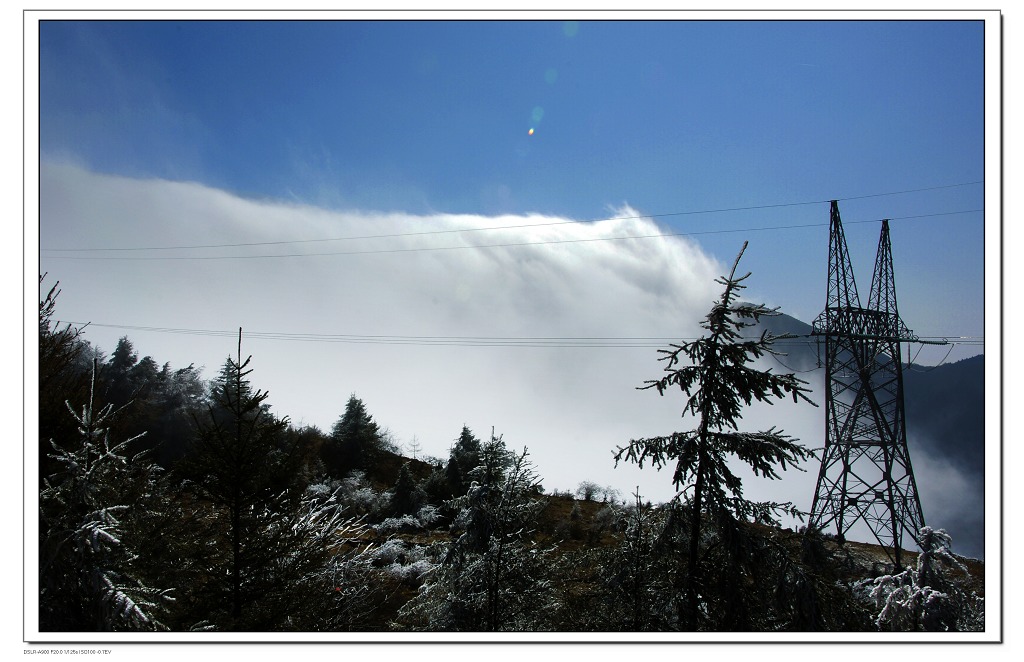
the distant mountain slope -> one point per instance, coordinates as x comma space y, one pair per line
945, 404
800, 352
945, 408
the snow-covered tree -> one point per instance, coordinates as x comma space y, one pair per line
637, 586
587, 490
718, 382
89, 577
493, 576
926, 597
322, 577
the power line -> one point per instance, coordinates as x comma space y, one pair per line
510, 227
661, 235
794, 371
486, 341
948, 352
466, 341
584, 341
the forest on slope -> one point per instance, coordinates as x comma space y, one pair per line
170, 503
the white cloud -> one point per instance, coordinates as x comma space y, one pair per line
951, 500
571, 406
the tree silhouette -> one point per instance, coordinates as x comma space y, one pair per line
64, 375
718, 381
251, 544
406, 497
462, 459
355, 440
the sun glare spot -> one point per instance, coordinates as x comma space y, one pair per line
530, 132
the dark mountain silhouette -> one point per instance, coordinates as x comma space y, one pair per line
945, 404
945, 408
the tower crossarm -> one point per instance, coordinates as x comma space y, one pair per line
862, 324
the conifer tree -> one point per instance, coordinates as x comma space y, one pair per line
176, 396
59, 347
355, 439
466, 450
258, 541
126, 378
718, 381
121, 382
64, 376
454, 480
493, 576
462, 459
415, 447
89, 573
436, 486
406, 497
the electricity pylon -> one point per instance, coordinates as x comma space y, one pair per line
866, 475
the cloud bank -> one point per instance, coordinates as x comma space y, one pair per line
496, 300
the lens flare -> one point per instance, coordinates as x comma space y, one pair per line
530, 132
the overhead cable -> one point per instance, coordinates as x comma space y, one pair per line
461, 341
507, 227
660, 235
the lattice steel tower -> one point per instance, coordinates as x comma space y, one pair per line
866, 475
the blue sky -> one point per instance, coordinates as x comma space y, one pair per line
425, 116
664, 116
181, 133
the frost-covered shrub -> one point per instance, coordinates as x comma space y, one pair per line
404, 524
357, 496
907, 606
389, 552
319, 490
924, 597
366, 500
396, 550
428, 515
402, 561
413, 573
